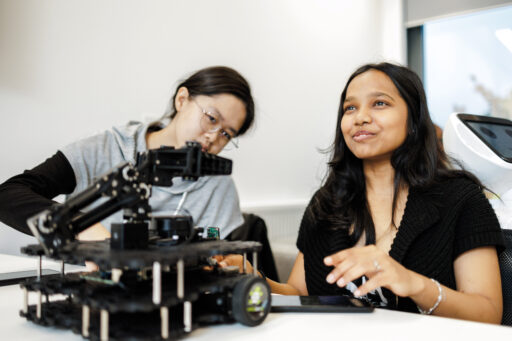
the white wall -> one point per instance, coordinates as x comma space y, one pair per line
69, 68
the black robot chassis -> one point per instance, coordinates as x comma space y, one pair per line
162, 292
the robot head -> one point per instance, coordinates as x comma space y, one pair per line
483, 145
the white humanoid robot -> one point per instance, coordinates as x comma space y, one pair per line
483, 146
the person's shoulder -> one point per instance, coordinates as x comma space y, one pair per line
102, 137
453, 190
457, 183
129, 129
318, 200
311, 212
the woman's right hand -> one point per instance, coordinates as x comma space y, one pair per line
234, 260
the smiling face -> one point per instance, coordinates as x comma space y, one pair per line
228, 109
374, 121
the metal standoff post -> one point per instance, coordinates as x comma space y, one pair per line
39, 303
39, 267
164, 317
187, 316
116, 275
62, 268
245, 263
180, 266
157, 283
104, 325
86, 316
25, 300
255, 263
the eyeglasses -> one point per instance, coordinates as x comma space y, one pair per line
211, 123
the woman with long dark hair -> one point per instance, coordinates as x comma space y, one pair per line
393, 223
213, 107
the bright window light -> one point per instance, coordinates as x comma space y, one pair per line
467, 64
505, 37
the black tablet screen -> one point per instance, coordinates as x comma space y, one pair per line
282, 303
497, 136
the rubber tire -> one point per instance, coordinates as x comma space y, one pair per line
240, 304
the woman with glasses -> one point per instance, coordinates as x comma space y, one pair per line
393, 223
214, 106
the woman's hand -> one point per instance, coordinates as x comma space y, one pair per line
94, 233
380, 269
234, 260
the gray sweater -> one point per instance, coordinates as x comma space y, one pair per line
211, 201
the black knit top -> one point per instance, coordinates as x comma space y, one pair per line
438, 225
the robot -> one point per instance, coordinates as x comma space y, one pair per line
157, 279
483, 146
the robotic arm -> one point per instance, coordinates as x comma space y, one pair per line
128, 187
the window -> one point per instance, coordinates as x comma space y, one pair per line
467, 64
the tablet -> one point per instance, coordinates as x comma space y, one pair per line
495, 132
320, 304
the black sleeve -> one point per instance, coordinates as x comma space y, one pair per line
29, 193
477, 225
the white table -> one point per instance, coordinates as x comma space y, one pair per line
380, 325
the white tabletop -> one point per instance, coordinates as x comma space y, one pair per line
379, 325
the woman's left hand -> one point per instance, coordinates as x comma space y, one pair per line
380, 269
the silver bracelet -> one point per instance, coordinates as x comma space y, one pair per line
439, 299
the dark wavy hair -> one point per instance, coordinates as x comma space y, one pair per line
418, 163
216, 80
